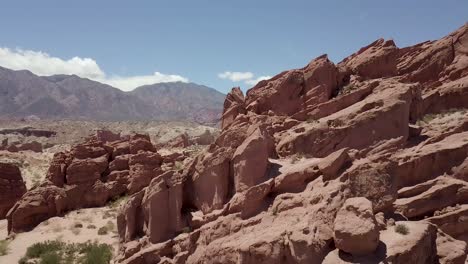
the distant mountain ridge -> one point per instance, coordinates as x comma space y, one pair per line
23, 94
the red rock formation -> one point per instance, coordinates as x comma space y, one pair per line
89, 175
279, 184
355, 229
12, 187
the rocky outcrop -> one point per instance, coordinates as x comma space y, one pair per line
418, 246
89, 175
315, 165
355, 229
424, 199
12, 187
33, 146
233, 106
250, 160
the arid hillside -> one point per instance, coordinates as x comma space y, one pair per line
26, 95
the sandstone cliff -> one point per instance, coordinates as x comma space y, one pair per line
364, 161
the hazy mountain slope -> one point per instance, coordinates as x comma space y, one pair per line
68, 96
180, 100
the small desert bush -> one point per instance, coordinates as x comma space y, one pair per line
431, 116
346, 89
56, 252
110, 225
103, 231
178, 165
118, 201
401, 229
4, 247
91, 227
94, 253
50, 258
78, 225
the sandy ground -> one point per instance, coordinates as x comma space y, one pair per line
63, 228
33, 165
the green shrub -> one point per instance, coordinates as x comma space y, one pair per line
96, 253
4, 247
38, 249
401, 229
103, 231
55, 252
118, 201
52, 257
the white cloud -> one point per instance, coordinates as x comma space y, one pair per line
247, 77
236, 76
255, 81
130, 83
43, 64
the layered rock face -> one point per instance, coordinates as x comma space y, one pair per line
364, 161
12, 187
90, 174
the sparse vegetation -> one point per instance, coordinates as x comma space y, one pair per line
186, 229
4, 247
117, 202
103, 231
312, 120
299, 156
346, 89
178, 165
56, 252
401, 229
429, 117
91, 227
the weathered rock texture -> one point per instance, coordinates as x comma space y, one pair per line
12, 187
90, 174
306, 160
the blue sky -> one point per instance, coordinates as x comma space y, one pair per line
200, 40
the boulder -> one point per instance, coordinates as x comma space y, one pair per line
86, 170
450, 250
355, 229
425, 198
12, 187
209, 183
107, 136
35, 206
57, 169
379, 59
333, 163
120, 163
250, 160
139, 142
162, 204
418, 246
33, 146
144, 166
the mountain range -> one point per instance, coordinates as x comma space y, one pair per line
24, 94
